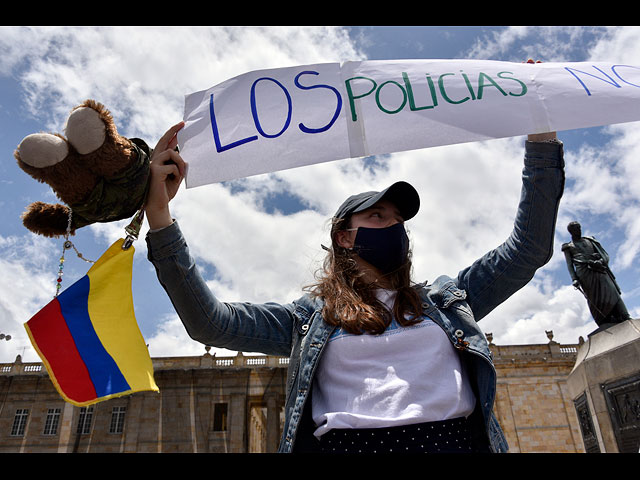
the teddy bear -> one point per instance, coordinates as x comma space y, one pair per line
100, 175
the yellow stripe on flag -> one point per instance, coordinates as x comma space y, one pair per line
111, 311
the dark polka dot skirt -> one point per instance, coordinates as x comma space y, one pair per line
448, 436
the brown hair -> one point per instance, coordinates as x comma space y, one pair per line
351, 303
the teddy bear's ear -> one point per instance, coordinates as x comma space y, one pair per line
41, 150
46, 219
86, 129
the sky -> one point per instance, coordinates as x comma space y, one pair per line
259, 239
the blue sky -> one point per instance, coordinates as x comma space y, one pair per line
258, 239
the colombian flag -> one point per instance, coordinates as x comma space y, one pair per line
88, 337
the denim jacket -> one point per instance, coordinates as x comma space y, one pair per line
297, 329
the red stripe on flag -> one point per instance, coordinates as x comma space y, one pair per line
55, 343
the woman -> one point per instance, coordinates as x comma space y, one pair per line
377, 364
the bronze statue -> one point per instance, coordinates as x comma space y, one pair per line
588, 264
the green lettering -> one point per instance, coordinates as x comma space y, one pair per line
481, 85
466, 80
352, 97
412, 103
404, 97
444, 94
522, 84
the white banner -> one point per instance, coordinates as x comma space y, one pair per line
270, 120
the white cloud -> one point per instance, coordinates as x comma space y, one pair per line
257, 256
170, 333
469, 192
143, 73
260, 256
598, 182
497, 43
621, 45
539, 307
547, 44
27, 284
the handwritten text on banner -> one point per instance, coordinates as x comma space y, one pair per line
270, 120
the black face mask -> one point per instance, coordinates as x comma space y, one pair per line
384, 248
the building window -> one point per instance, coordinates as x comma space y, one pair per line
117, 419
52, 421
84, 420
220, 417
20, 422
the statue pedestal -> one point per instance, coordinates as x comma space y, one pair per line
605, 387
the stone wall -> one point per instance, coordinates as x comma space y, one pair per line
235, 405
533, 404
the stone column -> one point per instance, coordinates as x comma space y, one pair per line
273, 422
237, 423
66, 428
132, 424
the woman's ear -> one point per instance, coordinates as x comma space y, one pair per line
344, 238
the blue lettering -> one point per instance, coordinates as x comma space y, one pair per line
338, 108
216, 136
613, 69
254, 110
611, 82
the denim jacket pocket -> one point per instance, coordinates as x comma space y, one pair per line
449, 296
452, 294
455, 314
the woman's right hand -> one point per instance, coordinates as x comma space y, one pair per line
167, 171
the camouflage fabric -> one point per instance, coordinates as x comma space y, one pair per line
117, 197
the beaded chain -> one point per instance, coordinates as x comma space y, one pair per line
132, 230
66, 246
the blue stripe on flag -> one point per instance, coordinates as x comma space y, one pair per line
103, 370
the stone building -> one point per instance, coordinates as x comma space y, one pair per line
533, 404
235, 404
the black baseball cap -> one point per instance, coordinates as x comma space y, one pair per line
401, 194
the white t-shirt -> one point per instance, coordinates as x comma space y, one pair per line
404, 376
